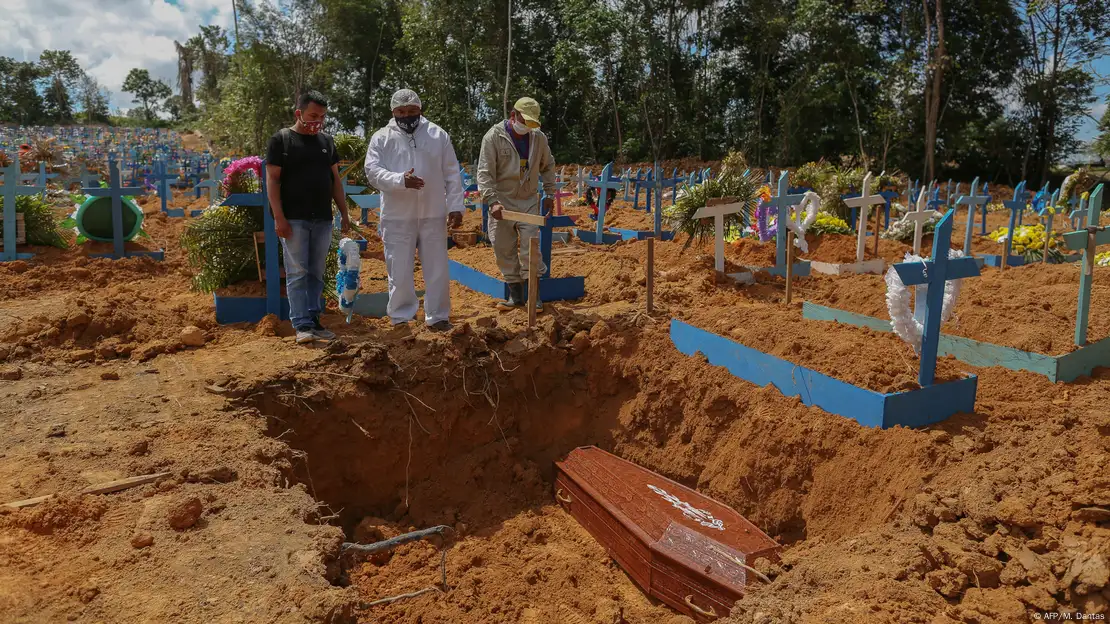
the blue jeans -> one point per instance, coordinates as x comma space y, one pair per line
306, 254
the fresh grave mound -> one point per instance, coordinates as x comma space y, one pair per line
876, 361
841, 249
1031, 308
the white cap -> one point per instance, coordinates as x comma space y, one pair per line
404, 97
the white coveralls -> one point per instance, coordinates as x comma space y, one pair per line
500, 180
413, 219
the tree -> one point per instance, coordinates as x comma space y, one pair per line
20, 101
93, 99
1064, 37
1100, 147
147, 91
186, 56
63, 72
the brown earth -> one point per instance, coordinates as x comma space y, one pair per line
986, 517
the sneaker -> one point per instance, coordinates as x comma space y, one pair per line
320, 331
440, 326
305, 335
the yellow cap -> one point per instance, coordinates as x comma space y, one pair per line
530, 110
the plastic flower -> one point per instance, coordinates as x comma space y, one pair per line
765, 193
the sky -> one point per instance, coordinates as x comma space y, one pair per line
108, 37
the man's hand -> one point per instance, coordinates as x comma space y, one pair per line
412, 181
344, 223
495, 211
548, 205
284, 230
454, 220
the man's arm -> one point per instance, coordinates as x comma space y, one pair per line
273, 193
452, 177
378, 176
547, 169
340, 197
487, 165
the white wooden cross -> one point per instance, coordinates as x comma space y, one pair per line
972, 202
719, 208
919, 218
581, 179
864, 203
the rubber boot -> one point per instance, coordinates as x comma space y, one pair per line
516, 297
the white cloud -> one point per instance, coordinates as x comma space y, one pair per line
109, 37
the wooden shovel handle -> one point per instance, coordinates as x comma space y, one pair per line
559, 496
711, 613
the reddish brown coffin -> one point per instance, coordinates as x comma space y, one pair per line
681, 547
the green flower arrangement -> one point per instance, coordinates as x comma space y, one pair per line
730, 183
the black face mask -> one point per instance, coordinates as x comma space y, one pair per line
408, 124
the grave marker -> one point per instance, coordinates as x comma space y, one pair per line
1087, 240
934, 274
12, 190
971, 201
116, 192
864, 203
1016, 207
919, 218
162, 181
717, 209
606, 182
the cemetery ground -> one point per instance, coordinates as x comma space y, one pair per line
277, 453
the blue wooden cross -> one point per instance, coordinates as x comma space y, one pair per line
783, 201
983, 211
648, 184
1078, 217
607, 181
43, 177
273, 285
368, 202
934, 274
117, 192
86, 177
1016, 206
1087, 240
211, 184
13, 189
948, 196
971, 201
162, 181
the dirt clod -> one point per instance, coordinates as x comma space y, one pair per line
11, 373
109, 376
142, 540
192, 336
185, 513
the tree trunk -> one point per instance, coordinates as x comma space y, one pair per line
933, 85
508, 61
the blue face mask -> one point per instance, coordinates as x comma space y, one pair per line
408, 124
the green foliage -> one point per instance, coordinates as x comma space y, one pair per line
40, 224
220, 245
352, 148
732, 182
147, 91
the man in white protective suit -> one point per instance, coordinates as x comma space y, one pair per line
412, 162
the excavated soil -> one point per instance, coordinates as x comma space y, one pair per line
1032, 307
278, 453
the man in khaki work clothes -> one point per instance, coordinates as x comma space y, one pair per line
515, 154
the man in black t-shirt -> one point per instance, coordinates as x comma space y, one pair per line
302, 177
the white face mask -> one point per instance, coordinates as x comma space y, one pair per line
520, 128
